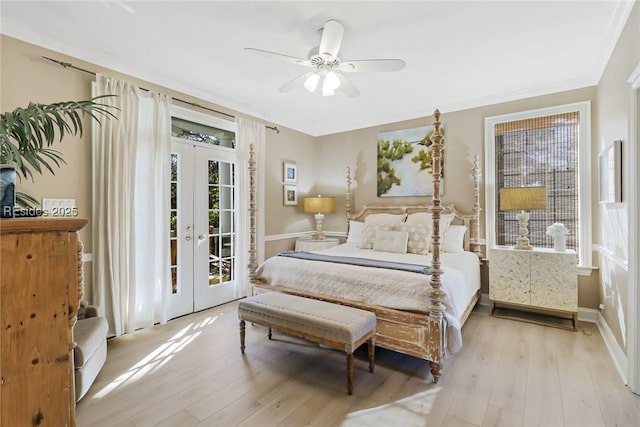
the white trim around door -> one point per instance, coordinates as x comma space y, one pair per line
633, 295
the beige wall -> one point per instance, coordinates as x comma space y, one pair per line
611, 225
293, 147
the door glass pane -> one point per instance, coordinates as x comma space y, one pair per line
213, 172
173, 226
214, 197
221, 222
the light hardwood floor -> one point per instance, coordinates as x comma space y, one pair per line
190, 372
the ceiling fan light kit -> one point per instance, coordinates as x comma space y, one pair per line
327, 65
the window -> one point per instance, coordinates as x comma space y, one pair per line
186, 129
548, 147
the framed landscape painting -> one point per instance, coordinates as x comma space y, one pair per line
404, 163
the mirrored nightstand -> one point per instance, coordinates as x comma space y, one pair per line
307, 244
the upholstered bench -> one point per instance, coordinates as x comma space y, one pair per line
334, 325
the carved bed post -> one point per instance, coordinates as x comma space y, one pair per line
347, 203
475, 230
253, 263
436, 309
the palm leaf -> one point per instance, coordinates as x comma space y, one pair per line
27, 133
25, 200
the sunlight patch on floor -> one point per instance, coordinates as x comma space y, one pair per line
157, 358
208, 321
416, 406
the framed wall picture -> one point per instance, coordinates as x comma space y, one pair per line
290, 195
290, 172
405, 163
610, 173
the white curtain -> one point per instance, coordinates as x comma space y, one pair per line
131, 173
250, 133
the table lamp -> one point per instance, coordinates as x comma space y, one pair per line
320, 206
523, 199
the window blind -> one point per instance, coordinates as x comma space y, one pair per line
541, 151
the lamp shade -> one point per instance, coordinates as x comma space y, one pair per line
523, 198
319, 204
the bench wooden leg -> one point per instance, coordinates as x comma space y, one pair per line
372, 353
350, 373
436, 369
242, 336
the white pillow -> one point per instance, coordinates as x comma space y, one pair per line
419, 238
391, 241
454, 239
385, 218
369, 234
356, 228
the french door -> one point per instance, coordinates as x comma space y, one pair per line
203, 227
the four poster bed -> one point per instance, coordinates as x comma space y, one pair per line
419, 313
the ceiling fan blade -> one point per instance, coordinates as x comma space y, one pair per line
280, 56
331, 38
371, 65
297, 82
347, 87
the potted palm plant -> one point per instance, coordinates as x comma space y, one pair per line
27, 134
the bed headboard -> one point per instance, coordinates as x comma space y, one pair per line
465, 219
471, 220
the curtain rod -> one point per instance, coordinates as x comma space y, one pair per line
193, 104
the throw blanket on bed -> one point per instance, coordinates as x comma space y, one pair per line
363, 262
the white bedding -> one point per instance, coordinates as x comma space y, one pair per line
377, 286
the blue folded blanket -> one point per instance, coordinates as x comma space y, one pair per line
363, 262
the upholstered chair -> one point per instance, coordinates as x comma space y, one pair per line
90, 336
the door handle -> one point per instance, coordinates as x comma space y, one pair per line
201, 237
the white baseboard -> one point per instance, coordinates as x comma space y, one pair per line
588, 315
617, 355
484, 299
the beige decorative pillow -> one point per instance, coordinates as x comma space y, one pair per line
419, 238
369, 234
391, 241
425, 218
385, 218
419, 218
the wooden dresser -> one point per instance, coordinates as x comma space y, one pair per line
39, 270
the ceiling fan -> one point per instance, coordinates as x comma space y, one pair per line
328, 66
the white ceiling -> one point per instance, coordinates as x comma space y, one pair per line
459, 54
